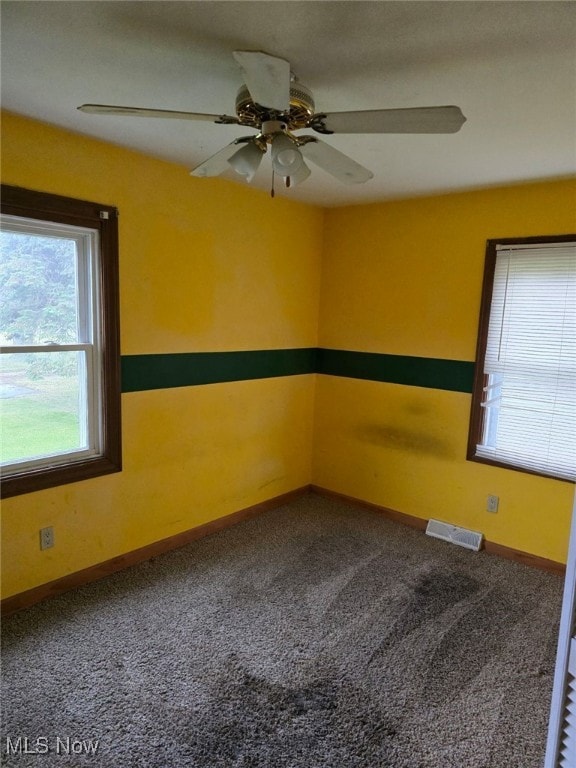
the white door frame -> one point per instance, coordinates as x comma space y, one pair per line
565, 662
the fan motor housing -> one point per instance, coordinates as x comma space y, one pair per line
299, 115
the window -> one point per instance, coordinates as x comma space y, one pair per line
524, 401
59, 341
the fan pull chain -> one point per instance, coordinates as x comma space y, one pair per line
286, 181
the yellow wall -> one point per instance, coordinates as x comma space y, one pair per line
404, 278
205, 265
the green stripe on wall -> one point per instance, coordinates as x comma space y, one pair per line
452, 375
142, 372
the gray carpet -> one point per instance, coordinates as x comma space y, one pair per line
316, 635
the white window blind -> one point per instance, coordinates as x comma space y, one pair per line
530, 361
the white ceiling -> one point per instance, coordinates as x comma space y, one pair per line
510, 66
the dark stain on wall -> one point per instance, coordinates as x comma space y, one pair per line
417, 408
407, 438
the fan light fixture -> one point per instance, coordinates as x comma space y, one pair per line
247, 160
300, 175
287, 160
286, 157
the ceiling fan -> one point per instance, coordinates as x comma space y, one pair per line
275, 103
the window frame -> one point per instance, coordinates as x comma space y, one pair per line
477, 412
42, 206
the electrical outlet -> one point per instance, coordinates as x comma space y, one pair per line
492, 504
46, 537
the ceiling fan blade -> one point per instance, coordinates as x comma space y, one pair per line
413, 120
267, 78
218, 163
108, 109
335, 162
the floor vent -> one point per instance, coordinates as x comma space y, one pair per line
461, 536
